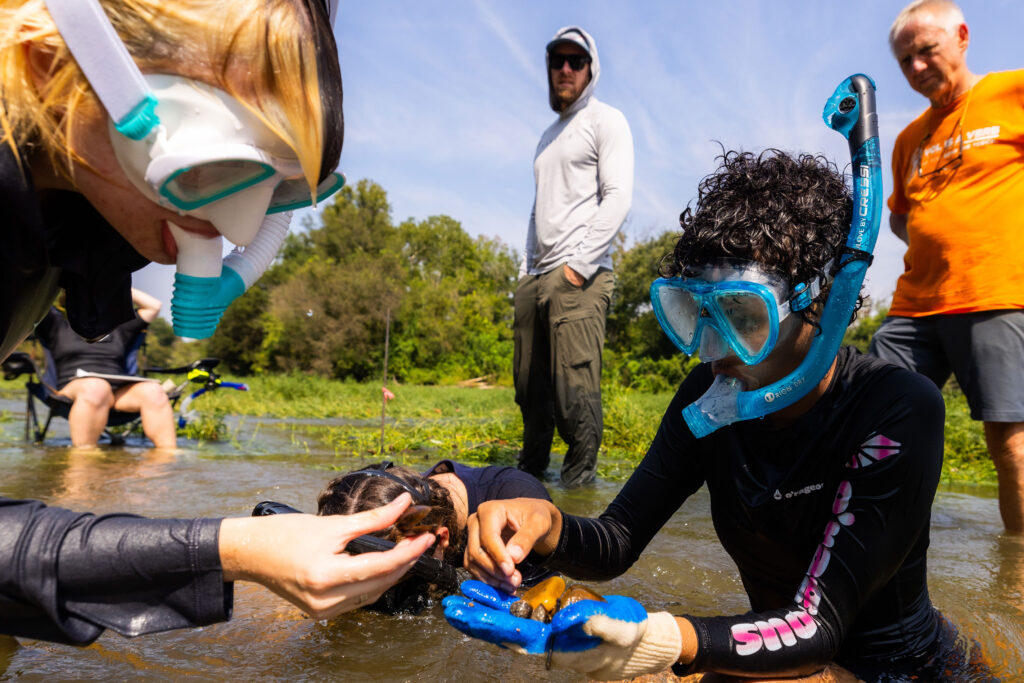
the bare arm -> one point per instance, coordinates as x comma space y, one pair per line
146, 306
300, 557
898, 225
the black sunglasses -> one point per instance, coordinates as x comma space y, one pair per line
576, 62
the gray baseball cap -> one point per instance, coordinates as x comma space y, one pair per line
572, 36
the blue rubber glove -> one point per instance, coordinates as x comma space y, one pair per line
484, 614
609, 640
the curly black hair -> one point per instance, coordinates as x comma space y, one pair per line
790, 214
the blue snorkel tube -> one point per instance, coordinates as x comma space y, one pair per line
850, 111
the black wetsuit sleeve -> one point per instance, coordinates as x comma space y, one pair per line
603, 548
880, 511
67, 576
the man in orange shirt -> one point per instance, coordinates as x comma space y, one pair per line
958, 203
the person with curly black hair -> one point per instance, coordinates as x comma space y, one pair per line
824, 505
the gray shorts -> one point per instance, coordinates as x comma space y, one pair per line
985, 351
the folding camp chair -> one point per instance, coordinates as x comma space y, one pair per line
41, 387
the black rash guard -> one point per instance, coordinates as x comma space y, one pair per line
492, 482
70, 352
827, 520
495, 482
67, 576
51, 240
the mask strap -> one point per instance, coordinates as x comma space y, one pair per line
804, 294
105, 61
420, 495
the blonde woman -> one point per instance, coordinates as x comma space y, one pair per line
144, 130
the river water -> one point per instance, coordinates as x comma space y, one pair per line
976, 573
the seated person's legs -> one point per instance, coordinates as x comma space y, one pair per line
93, 398
151, 402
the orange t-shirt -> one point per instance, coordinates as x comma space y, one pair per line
965, 218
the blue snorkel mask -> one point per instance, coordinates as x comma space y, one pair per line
850, 111
727, 305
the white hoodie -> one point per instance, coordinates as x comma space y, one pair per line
583, 169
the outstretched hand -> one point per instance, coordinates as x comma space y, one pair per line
613, 639
501, 533
302, 559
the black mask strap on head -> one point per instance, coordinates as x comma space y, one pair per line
420, 494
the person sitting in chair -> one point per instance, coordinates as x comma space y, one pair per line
94, 397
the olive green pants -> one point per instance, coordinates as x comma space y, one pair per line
559, 335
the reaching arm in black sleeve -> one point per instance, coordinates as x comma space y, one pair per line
67, 576
603, 548
869, 565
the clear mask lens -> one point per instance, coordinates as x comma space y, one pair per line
748, 319
293, 193
202, 184
721, 306
681, 310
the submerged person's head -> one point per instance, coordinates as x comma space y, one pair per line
379, 484
277, 58
775, 222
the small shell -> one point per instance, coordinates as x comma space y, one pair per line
575, 593
521, 608
540, 613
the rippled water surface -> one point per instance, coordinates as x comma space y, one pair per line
976, 574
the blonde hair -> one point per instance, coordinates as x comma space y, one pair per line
947, 14
276, 56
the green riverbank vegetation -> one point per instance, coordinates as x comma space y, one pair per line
483, 426
309, 340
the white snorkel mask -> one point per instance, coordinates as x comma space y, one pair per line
196, 150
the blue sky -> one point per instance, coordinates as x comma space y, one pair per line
445, 101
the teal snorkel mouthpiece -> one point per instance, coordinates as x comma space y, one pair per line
199, 299
850, 111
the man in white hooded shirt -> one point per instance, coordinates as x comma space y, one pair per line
583, 169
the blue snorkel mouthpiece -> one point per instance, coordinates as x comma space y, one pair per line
850, 111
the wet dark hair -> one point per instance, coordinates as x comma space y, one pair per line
789, 213
358, 491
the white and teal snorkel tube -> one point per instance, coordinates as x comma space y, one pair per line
850, 111
146, 113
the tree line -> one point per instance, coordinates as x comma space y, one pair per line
322, 308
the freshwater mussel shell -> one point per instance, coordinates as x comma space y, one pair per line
411, 521
576, 592
521, 608
542, 601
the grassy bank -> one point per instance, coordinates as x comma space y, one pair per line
478, 425
483, 425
